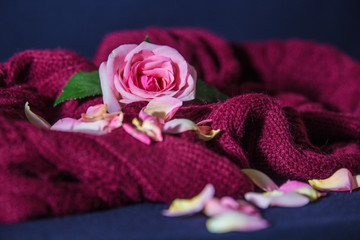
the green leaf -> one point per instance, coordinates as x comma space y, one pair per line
147, 39
82, 84
208, 93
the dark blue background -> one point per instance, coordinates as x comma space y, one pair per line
81, 25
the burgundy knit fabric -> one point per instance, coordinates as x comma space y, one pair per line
294, 114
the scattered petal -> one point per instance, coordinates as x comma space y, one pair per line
179, 125
292, 185
184, 207
341, 180
116, 122
260, 179
97, 127
35, 119
206, 133
309, 192
65, 124
291, 199
136, 134
217, 206
163, 107
94, 113
235, 221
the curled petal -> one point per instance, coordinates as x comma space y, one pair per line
136, 134
309, 192
150, 127
260, 179
341, 180
184, 207
235, 221
217, 206
206, 133
94, 113
109, 97
290, 186
179, 125
65, 124
35, 119
291, 199
116, 122
163, 107
97, 127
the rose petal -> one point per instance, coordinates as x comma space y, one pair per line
217, 206
291, 199
65, 124
260, 179
150, 127
109, 97
94, 113
163, 107
35, 119
179, 125
235, 221
341, 180
291, 186
206, 133
309, 192
116, 122
136, 134
184, 207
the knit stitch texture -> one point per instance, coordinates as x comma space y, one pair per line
294, 113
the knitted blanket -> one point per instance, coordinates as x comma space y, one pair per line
294, 113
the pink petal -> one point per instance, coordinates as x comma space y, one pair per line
341, 180
97, 127
65, 124
116, 122
179, 125
217, 206
109, 96
260, 179
235, 221
136, 134
94, 113
206, 133
163, 107
184, 207
291, 186
35, 119
152, 128
291, 199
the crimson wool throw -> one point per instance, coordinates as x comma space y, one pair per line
294, 113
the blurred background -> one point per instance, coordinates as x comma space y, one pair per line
81, 25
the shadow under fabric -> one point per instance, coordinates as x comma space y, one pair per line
294, 113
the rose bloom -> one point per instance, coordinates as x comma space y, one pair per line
144, 72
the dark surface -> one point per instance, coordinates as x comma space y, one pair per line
80, 26
333, 217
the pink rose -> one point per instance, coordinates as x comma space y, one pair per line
144, 72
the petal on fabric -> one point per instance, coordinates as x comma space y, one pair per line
65, 124
357, 180
341, 180
136, 134
35, 119
109, 97
291, 199
179, 125
206, 133
96, 128
260, 179
292, 185
94, 113
163, 107
235, 221
185, 207
116, 122
152, 128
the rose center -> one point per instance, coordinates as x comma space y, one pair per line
152, 83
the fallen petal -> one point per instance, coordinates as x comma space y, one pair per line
260, 179
94, 113
116, 122
309, 192
136, 134
235, 221
152, 128
97, 127
206, 133
35, 119
65, 124
217, 206
184, 207
163, 107
179, 125
341, 180
291, 199
292, 185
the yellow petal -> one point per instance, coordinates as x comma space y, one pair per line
341, 180
183, 207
